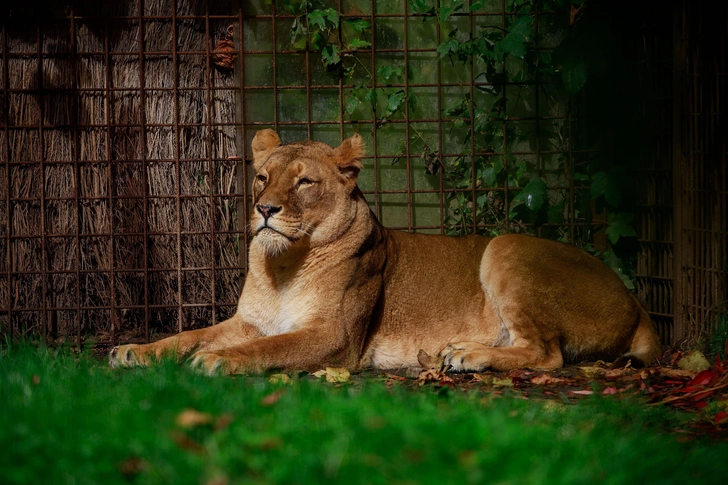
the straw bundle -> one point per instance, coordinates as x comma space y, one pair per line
130, 174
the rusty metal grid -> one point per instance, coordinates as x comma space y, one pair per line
140, 168
401, 199
652, 49
88, 94
701, 181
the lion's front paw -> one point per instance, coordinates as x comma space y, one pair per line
126, 356
464, 357
209, 363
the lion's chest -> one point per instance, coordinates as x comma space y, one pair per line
276, 310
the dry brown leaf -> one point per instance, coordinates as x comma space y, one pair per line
592, 371
184, 441
189, 418
272, 398
36, 379
279, 379
223, 421
545, 379
431, 375
618, 372
677, 373
132, 466
584, 392
430, 362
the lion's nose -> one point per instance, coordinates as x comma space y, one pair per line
268, 210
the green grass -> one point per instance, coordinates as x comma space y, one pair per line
79, 422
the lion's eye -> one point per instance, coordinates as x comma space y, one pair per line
303, 182
261, 178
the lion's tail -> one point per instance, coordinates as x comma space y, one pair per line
645, 347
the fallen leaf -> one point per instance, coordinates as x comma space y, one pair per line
189, 418
279, 379
498, 382
618, 372
223, 421
132, 466
184, 441
430, 362
721, 417
704, 378
430, 375
218, 480
319, 373
610, 390
546, 379
677, 373
36, 379
584, 392
694, 361
272, 398
592, 371
486, 379
337, 374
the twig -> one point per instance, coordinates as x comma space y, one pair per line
690, 394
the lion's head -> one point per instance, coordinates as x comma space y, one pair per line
303, 191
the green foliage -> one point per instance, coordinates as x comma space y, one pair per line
519, 191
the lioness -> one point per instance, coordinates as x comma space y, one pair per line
329, 286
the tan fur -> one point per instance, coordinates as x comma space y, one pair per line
328, 285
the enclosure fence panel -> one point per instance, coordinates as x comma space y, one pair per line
122, 175
701, 181
125, 132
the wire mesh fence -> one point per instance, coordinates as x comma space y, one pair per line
125, 129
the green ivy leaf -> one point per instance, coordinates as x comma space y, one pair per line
614, 262
477, 5
620, 226
371, 96
387, 72
394, 101
352, 103
420, 6
607, 184
316, 19
448, 47
358, 25
331, 55
532, 196
446, 12
332, 16
358, 44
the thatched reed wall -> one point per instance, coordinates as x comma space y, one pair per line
119, 168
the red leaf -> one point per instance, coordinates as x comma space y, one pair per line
721, 417
610, 390
701, 404
704, 378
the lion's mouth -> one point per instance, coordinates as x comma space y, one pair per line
290, 238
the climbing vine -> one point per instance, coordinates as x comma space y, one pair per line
512, 191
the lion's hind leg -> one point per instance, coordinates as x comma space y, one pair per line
476, 357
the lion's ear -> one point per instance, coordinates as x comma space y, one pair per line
264, 142
348, 156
